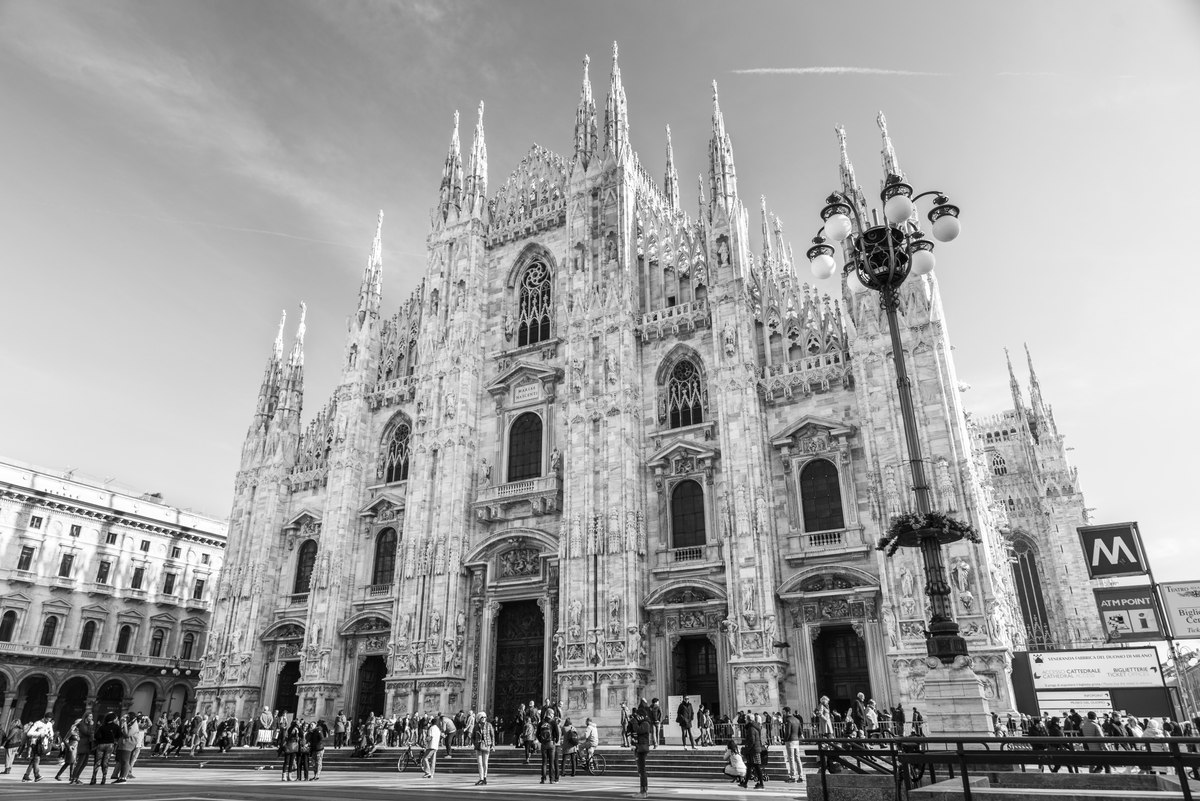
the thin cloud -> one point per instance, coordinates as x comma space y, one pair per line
833, 71
158, 93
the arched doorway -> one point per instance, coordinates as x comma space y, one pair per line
109, 698
145, 700
520, 652
840, 662
286, 698
371, 689
36, 691
71, 703
695, 672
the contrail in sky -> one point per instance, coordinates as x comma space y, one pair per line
830, 71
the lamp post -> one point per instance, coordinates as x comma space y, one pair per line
880, 257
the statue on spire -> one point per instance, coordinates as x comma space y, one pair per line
616, 114
722, 174
891, 165
585, 120
671, 178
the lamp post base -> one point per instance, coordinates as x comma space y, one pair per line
944, 642
955, 700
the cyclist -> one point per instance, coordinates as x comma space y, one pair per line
589, 741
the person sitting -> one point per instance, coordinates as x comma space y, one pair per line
735, 766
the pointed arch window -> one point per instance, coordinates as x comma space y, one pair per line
533, 314
999, 466
156, 642
124, 639
525, 448
395, 455
687, 516
384, 569
821, 496
49, 629
88, 638
306, 560
189, 645
8, 626
1028, 580
685, 395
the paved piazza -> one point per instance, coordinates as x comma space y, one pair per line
199, 784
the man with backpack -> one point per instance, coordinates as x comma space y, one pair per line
38, 735
548, 737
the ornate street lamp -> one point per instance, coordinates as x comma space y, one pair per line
175, 669
879, 257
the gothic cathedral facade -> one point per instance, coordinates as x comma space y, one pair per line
607, 451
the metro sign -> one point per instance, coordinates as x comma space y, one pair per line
1113, 550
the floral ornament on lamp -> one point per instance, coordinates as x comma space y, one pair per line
907, 531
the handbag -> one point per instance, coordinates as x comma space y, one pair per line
291, 746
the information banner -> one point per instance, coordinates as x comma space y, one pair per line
1129, 614
1059, 703
1113, 550
1100, 669
1181, 605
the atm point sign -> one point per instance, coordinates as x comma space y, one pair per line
1113, 550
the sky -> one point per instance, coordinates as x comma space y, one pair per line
176, 173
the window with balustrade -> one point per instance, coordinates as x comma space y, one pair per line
821, 496
525, 448
306, 561
124, 639
8, 626
393, 465
533, 307
687, 519
384, 569
49, 630
87, 639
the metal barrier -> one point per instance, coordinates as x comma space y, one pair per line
910, 761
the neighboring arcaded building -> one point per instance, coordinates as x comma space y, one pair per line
609, 450
104, 597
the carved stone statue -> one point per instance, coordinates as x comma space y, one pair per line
907, 582
556, 462
730, 627
485, 473
960, 574
560, 650
575, 618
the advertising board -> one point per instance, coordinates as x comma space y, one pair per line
1129, 613
1061, 702
1181, 605
1101, 669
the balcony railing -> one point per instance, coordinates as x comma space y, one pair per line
378, 590
820, 543
673, 319
95, 656
22, 576
198, 603
543, 495
296, 599
98, 588
693, 556
396, 390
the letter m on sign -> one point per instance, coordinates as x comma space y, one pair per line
1113, 550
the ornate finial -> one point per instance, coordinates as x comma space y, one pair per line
586, 60
614, 50
279, 334
841, 135
479, 120
891, 165
668, 137
714, 85
303, 316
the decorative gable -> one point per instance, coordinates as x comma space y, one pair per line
525, 383
387, 508
683, 457
812, 435
305, 525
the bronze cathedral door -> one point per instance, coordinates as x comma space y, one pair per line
520, 651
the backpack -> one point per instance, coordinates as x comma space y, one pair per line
544, 734
571, 738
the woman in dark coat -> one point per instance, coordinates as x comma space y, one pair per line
752, 748
639, 731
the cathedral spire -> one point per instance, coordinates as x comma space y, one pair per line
671, 178
766, 232
722, 175
476, 186
849, 182
585, 120
277, 351
291, 395
296, 358
450, 196
1035, 388
891, 165
616, 114
1014, 386
268, 393
370, 292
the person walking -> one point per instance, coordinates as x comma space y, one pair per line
37, 739
789, 732
433, 740
548, 736
124, 747
139, 741
824, 717
106, 740
656, 721
641, 733
1088, 727
625, 718
87, 734
684, 716
13, 740
483, 738
70, 749
753, 751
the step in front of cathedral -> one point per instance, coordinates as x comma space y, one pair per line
667, 761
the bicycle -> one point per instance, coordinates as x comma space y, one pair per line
594, 764
407, 758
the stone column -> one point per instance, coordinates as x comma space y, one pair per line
487, 644
274, 667
549, 684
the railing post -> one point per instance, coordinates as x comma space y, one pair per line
962, 766
824, 771
1180, 771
